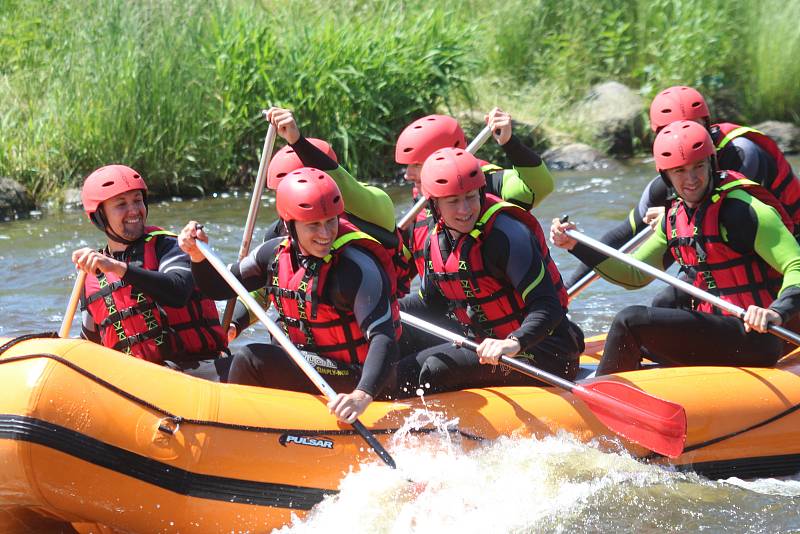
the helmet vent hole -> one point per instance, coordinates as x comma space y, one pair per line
305, 206
431, 118
418, 126
281, 174
407, 150
108, 184
302, 181
336, 199
473, 174
441, 181
440, 158
697, 145
666, 154
666, 110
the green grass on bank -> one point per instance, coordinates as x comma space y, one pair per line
175, 88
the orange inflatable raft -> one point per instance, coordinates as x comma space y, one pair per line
106, 443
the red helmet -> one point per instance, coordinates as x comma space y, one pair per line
308, 194
682, 143
286, 160
451, 171
678, 103
107, 182
424, 136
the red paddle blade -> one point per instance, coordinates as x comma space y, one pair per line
657, 424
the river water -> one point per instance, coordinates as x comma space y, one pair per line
513, 485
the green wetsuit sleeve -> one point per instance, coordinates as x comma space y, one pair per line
366, 202
774, 242
651, 252
523, 182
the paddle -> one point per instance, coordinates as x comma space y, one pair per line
252, 214
696, 292
294, 353
587, 279
72, 305
657, 424
473, 147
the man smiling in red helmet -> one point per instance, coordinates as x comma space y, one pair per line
140, 296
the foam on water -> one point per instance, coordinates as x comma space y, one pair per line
556, 484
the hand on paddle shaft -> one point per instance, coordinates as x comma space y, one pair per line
564, 235
759, 319
490, 350
91, 261
499, 122
284, 123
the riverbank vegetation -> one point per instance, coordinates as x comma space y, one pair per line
175, 88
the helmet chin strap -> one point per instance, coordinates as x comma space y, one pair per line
99, 220
297, 254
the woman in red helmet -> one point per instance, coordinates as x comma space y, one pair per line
512, 304
333, 286
733, 239
739, 148
139, 296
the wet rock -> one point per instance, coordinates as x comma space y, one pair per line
613, 113
15, 201
576, 156
786, 134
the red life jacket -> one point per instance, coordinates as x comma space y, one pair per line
132, 322
697, 245
309, 321
485, 305
784, 186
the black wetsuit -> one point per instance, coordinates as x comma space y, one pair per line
546, 335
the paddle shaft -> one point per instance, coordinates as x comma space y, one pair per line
587, 279
72, 305
252, 213
473, 147
465, 342
694, 291
278, 335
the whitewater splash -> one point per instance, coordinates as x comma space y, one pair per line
521, 484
